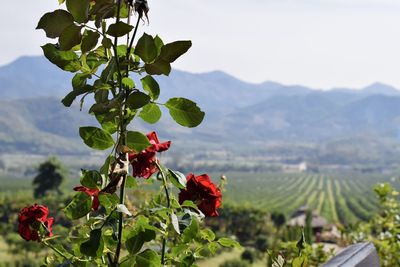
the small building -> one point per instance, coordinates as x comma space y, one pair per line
298, 218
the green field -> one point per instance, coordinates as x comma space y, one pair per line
339, 198
343, 198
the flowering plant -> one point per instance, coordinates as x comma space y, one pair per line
166, 229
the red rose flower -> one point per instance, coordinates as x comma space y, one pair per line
202, 191
91, 192
31, 219
143, 163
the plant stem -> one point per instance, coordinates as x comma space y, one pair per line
128, 51
120, 221
123, 137
164, 178
115, 47
55, 250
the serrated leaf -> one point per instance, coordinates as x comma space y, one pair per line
119, 29
151, 86
146, 48
89, 41
54, 23
66, 60
158, 67
94, 246
177, 178
172, 51
150, 113
137, 100
80, 205
79, 9
137, 141
96, 138
185, 112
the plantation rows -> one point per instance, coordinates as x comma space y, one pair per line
338, 198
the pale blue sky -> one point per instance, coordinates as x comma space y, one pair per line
318, 43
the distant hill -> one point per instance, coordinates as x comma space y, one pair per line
33, 120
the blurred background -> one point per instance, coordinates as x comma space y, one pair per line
302, 115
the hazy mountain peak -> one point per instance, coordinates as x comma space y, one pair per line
381, 88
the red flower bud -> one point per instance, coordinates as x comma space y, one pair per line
31, 220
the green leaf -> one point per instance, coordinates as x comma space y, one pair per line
177, 178
68, 99
137, 100
54, 23
89, 41
151, 86
108, 124
128, 83
95, 245
159, 44
172, 51
158, 67
175, 223
79, 10
148, 258
91, 179
66, 60
79, 80
108, 201
70, 37
150, 113
190, 232
185, 112
119, 29
96, 138
300, 262
137, 141
106, 166
106, 42
131, 182
207, 234
146, 48
80, 205
136, 242
301, 243
229, 243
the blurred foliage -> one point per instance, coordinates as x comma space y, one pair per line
383, 230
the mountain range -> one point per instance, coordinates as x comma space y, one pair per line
238, 114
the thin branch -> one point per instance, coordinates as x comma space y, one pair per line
164, 178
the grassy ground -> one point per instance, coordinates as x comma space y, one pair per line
228, 255
4, 255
